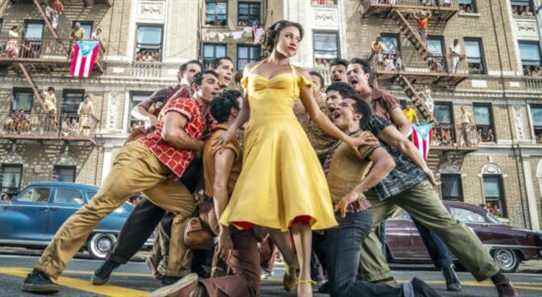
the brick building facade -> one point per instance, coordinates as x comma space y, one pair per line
144, 42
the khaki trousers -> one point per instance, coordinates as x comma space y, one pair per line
423, 204
135, 170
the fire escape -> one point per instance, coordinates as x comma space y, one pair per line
46, 56
423, 68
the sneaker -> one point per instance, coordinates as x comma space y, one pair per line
422, 289
325, 288
506, 290
39, 282
504, 286
169, 280
102, 274
185, 287
453, 283
390, 281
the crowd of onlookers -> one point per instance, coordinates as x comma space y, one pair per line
45, 118
535, 71
522, 10
422, 2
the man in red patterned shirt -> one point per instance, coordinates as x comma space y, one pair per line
150, 165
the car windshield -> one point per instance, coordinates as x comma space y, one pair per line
493, 219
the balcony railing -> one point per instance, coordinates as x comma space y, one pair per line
47, 126
146, 69
443, 135
487, 134
46, 50
441, 9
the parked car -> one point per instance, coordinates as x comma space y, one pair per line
508, 245
32, 217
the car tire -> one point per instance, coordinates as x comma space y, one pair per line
506, 259
101, 244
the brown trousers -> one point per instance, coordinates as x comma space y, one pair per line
135, 169
244, 263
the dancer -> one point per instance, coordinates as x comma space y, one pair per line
349, 175
147, 166
385, 105
291, 192
146, 215
238, 247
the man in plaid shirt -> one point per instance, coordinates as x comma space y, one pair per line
150, 165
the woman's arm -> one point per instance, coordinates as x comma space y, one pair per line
325, 124
394, 138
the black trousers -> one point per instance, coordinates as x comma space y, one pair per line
146, 216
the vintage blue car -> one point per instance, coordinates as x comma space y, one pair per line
32, 217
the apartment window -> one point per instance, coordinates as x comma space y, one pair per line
32, 40
324, 3
135, 99
536, 115
248, 14
522, 8
325, 45
149, 43
87, 27
33, 30
211, 51
484, 122
451, 187
437, 60
11, 178
531, 60
475, 55
494, 195
444, 130
64, 173
22, 100
391, 43
247, 54
216, 13
71, 99
467, 6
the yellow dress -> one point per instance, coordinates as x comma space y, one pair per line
281, 180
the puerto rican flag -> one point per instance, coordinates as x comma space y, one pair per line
421, 137
84, 55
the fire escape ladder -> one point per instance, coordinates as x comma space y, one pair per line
411, 34
417, 98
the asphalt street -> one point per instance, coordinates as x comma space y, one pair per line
134, 280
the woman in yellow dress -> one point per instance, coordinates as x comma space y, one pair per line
282, 185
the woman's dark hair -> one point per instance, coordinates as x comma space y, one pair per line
50, 89
222, 104
216, 62
198, 78
184, 66
272, 34
320, 77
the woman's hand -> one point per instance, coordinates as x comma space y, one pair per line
365, 138
226, 137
